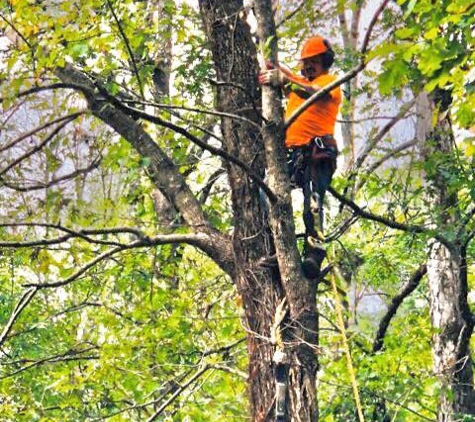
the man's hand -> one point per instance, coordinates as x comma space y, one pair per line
273, 77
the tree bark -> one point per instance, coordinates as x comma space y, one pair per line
446, 270
235, 60
237, 92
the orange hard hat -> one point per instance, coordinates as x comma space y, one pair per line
312, 47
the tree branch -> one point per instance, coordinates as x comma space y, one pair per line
21, 305
362, 180
199, 240
36, 148
195, 110
139, 114
70, 355
383, 220
55, 181
382, 132
161, 170
179, 390
291, 14
40, 128
407, 289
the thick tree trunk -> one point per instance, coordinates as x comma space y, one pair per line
235, 59
447, 273
237, 92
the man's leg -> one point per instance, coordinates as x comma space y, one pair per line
322, 173
319, 176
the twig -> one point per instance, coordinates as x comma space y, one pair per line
36, 148
193, 239
54, 86
291, 14
139, 114
370, 169
70, 355
383, 220
173, 397
127, 45
382, 132
55, 181
40, 128
195, 110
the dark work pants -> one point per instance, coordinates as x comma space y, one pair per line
313, 177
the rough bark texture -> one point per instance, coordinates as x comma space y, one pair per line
447, 274
237, 91
300, 292
235, 59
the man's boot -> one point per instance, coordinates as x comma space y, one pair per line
313, 261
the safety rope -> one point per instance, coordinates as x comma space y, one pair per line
341, 323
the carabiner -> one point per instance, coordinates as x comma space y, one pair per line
319, 142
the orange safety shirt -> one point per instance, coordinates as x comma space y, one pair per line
318, 119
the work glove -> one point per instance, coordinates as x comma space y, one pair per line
273, 77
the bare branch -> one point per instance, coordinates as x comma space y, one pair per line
383, 220
162, 171
195, 110
139, 114
199, 240
37, 148
291, 14
11, 25
37, 89
82, 234
407, 289
382, 132
70, 355
40, 128
370, 169
55, 181
179, 390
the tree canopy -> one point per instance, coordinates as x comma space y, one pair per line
143, 180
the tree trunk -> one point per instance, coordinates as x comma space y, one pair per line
446, 271
235, 60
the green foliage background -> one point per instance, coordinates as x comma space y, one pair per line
115, 344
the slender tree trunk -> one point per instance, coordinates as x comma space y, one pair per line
447, 272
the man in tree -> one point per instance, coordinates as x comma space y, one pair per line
312, 149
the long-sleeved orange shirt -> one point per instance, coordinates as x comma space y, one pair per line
317, 120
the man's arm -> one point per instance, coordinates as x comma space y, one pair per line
278, 75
